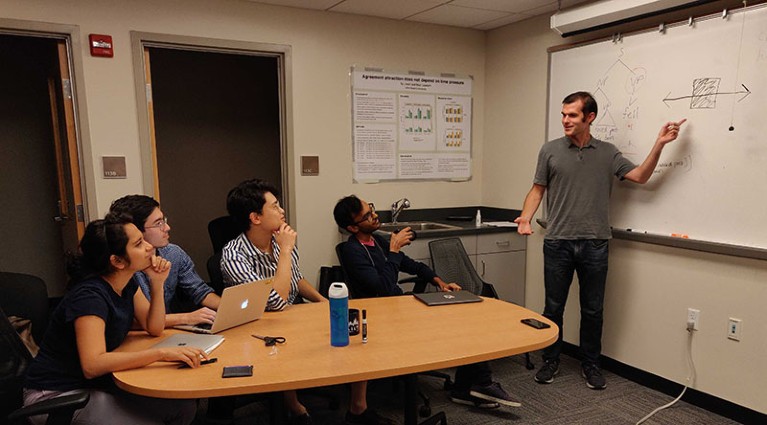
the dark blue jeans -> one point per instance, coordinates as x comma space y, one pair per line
588, 258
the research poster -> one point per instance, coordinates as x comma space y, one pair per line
410, 127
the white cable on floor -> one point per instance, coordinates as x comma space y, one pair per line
690, 378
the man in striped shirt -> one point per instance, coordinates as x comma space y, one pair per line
265, 249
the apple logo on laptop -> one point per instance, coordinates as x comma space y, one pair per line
244, 304
448, 296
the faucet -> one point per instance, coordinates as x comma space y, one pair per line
397, 207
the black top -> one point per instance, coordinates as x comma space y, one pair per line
373, 271
57, 366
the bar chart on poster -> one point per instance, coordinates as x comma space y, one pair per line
709, 183
410, 126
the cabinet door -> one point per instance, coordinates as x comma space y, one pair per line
506, 271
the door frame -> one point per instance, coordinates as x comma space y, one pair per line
141, 40
70, 35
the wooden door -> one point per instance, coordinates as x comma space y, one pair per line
71, 214
42, 214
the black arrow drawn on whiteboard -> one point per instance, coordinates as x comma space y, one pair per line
745, 92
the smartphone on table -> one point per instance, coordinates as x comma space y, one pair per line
537, 324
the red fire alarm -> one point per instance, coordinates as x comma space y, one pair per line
101, 45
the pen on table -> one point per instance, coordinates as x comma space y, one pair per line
209, 361
364, 326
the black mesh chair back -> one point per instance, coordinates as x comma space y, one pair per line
451, 263
222, 230
14, 361
26, 296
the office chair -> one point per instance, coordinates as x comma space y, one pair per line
420, 286
215, 274
450, 261
328, 275
222, 230
14, 360
26, 296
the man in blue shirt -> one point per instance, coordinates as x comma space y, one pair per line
373, 264
183, 280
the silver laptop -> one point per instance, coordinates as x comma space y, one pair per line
207, 343
447, 298
239, 304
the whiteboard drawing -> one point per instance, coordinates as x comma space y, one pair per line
705, 92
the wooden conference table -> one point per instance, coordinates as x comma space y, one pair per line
404, 337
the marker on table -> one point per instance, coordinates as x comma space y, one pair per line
364, 326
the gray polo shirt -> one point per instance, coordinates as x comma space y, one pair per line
578, 184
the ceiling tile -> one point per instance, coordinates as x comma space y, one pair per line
514, 6
302, 4
457, 16
394, 9
510, 19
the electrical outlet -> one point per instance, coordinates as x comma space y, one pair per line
693, 315
733, 329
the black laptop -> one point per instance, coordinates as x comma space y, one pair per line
447, 298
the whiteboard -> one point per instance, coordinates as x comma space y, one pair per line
709, 183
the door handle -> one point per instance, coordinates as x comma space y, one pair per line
483, 267
62, 217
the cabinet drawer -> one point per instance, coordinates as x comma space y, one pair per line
500, 242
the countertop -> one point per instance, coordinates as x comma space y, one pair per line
462, 217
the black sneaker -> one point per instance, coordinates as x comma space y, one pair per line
593, 375
368, 417
494, 392
547, 372
469, 400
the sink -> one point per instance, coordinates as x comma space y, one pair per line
418, 226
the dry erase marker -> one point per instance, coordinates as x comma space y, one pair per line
364, 326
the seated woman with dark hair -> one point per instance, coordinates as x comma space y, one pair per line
93, 319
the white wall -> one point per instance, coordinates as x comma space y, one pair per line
649, 287
324, 47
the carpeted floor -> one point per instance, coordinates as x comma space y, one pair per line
566, 401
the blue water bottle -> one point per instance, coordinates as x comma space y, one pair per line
339, 314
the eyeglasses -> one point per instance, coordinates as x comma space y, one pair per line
159, 224
368, 215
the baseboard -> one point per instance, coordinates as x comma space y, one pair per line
697, 398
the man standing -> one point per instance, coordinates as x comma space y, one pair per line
578, 170
373, 264
266, 248
183, 281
